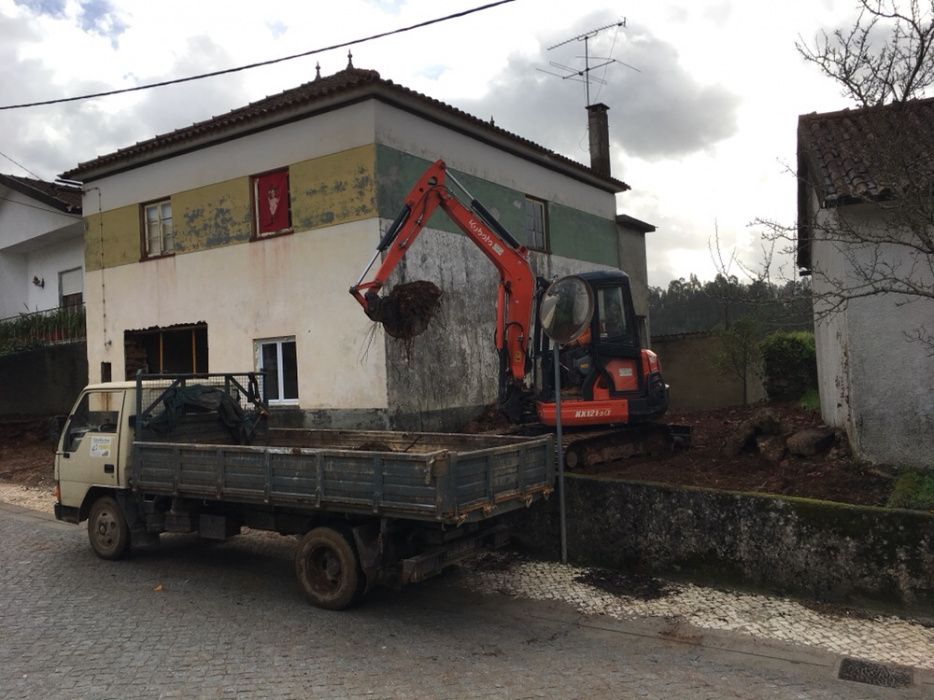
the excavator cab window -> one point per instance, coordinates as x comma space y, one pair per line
612, 323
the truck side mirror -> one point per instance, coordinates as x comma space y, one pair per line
56, 424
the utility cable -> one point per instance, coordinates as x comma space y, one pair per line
18, 164
258, 64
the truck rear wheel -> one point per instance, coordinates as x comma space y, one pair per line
328, 570
107, 529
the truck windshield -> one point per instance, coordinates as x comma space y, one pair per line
97, 412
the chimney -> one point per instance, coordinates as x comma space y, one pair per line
599, 138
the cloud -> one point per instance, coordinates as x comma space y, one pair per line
658, 111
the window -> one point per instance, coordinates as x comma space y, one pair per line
98, 412
158, 233
612, 313
180, 349
272, 212
70, 287
276, 359
536, 224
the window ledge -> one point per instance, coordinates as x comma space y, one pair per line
157, 257
274, 234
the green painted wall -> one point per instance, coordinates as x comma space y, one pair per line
572, 233
120, 236
398, 171
577, 234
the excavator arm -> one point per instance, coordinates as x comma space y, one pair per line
516, 292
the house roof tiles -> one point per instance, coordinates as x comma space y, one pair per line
861, 155
66, 198
320, 93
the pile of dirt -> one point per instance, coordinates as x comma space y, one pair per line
26, 452
729, 451
492, 420
408, 309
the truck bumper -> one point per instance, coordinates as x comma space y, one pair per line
66, 513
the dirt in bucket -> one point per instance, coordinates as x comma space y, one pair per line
408, 309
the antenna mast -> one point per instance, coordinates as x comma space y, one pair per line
584, 75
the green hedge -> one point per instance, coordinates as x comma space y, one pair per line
789, 363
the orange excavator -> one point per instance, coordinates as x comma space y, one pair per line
607, 378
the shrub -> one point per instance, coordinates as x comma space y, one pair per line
789, 364
913, 490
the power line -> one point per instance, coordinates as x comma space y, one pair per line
258, 64
20, 165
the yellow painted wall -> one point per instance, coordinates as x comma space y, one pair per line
120, 236
326, 191
214, 215
334, 189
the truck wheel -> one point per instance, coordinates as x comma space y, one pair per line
327, 569
107, 529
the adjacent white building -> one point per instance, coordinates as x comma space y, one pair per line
865, 233
41, 246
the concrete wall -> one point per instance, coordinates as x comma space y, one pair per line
696, 383
828, 551
632, 261
42, 382
35, 241
873, 381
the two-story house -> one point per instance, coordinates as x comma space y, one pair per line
230, 245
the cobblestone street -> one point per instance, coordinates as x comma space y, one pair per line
192, 619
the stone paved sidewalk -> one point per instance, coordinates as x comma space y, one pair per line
877, 638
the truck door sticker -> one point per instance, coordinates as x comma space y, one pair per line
101, 446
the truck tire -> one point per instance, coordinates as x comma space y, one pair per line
107, 529
328, 570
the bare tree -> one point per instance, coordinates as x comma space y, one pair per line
875, 172
886, 56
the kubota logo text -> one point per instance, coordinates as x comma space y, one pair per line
485, 237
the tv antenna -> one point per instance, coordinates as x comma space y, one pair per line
583, 75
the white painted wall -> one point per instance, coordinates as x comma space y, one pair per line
873, 382
287, 286
325, 134
35, 241
406, 132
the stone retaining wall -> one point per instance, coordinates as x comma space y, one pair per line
829, 551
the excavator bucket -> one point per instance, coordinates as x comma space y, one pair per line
407, 310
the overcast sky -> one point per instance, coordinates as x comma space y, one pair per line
703, 131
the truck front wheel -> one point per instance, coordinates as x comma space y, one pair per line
328, 570
107, 529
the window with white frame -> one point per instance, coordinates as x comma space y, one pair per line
158, 232
70, 287
536, 222
276, 360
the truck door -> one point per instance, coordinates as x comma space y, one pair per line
89, 449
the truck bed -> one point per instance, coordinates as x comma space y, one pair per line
451, 478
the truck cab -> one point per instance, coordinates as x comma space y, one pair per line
93, 448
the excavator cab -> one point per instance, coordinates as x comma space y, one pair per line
607, 377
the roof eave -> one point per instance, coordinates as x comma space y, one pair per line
387, 93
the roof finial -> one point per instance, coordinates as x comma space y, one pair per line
318, 71
349, 59
492, 122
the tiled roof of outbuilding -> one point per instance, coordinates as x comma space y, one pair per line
66, 198
848, 155
861, 155
354, 83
